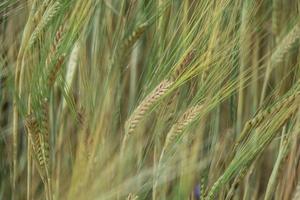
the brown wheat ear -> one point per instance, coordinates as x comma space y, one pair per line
55, 45
186, 61
54, 71
37, 141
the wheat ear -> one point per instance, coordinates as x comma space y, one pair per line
136, 34
277, 57
54, 71
254, 122
46, 19
39, 13
55, 45
186, 61
286, 45
38, 140
176, 74
39, 143
146, 105
275, 17
188, 117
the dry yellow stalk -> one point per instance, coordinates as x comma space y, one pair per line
297, 192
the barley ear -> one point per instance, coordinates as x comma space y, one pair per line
46, 19
285, 45
187, 118
186, 61
55, 70
130, 40
146, 105
254, 122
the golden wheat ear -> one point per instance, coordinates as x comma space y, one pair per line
188, 117
146, 105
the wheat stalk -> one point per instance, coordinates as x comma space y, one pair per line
175, 75
45, 130
297, 192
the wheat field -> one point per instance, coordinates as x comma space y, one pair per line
150, 99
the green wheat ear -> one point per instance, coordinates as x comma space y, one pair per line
136, 34
46, 19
